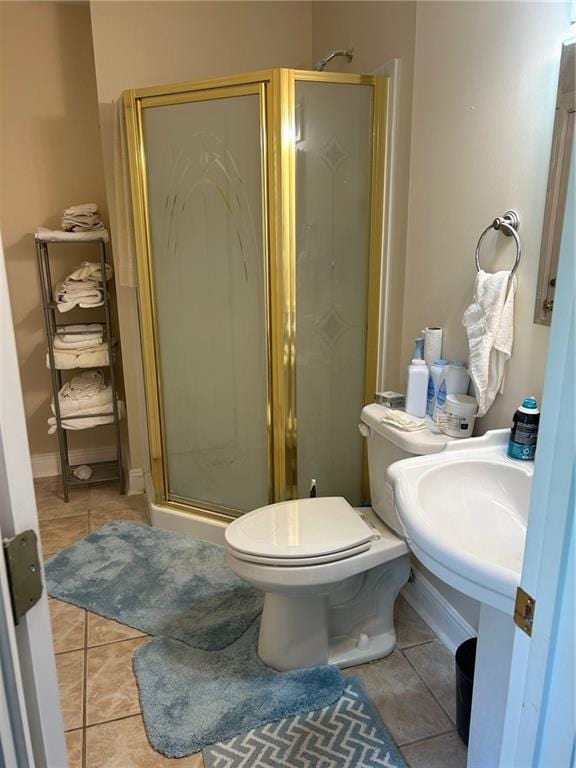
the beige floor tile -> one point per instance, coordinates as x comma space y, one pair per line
123, 744
410, 629
50, 499
101, 631
100, 517
70, 667
445, 751
111, 689
58, 534
406, 706
107, 497
435, 665
74, 741
68, 626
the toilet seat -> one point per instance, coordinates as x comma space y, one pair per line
299, 533
301, 561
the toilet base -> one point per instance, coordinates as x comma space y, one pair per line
347, 623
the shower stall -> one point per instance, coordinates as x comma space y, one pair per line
258, 210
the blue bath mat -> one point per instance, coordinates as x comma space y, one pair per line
347, 734
191, 698
159, 582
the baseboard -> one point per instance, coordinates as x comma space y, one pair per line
48, 464
437, 612
135, 482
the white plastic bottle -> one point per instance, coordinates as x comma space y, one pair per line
417, 389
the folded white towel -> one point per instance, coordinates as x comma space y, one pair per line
89, 330
83, 208
98, 403
80, 218
85, 303
489, 323
82, 386
86, 423
88, 224
65, 360
89, 270
81, 297
86, 220
402, 420
80, 342
57, 235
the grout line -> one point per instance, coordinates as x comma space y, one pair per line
430, 690
429, 738
85, 685
115, 642
115, 720
407, 646
42, 519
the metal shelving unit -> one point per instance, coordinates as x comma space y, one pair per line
103, 471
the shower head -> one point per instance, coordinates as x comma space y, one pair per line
349, 55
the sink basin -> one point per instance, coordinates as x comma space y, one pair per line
464, 512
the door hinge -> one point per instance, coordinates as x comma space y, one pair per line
24, 572
524, 611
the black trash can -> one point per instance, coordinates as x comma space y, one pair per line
465, 662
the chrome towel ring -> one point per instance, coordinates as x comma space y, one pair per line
508, 225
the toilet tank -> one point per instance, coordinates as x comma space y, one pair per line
387, 444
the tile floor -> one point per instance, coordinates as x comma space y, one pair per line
413, 688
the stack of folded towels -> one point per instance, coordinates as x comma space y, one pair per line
80, 346
86, 393
80, 218
82, 288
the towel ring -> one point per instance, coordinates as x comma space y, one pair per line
508, 225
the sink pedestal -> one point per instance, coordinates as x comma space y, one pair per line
491, 678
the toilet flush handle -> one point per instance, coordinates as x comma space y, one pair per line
364, 429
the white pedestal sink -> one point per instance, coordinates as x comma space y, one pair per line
464, 512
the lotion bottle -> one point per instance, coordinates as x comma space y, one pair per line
417, 389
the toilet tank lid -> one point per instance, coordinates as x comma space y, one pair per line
418, 443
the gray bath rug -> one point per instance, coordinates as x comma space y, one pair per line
159, 582
347, 734
191, 698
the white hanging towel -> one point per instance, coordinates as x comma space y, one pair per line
489, 323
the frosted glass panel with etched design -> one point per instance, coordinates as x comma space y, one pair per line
204, 176
333, 179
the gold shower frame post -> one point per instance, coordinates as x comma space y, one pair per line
276, 92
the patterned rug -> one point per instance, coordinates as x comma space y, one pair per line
347, 734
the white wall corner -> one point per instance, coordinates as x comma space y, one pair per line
440, 615
136, 483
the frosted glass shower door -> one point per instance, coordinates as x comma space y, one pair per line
204, 159
333, 133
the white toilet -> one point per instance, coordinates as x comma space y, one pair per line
331, 573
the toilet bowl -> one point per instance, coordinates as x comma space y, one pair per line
330, 573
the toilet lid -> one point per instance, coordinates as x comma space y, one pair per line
304, 528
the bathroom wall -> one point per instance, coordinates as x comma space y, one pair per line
485, 78
148, 43
379, 32
475, 141
50, 157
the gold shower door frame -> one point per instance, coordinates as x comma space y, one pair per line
276, 92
